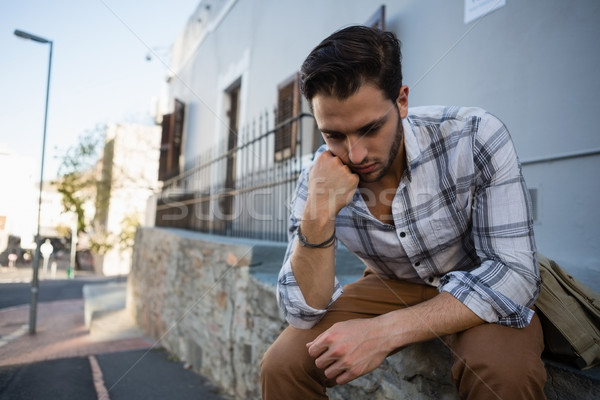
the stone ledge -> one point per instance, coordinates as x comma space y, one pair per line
566, 382
220, 319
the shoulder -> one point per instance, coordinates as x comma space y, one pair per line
437, 114
452, 120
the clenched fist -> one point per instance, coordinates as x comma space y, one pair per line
331, 186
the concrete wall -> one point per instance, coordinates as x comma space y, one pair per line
533, 64
211, 302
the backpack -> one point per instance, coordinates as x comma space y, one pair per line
570, 316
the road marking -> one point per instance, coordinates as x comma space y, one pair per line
16, 334
101, 390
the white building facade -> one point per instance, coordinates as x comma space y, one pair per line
531, 63
131, 165
18, 199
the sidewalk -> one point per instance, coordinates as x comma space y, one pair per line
66, 360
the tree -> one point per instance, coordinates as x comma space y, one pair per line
105, 167
77, 174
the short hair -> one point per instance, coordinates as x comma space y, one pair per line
349, 58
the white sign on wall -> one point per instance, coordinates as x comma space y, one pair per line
478, 8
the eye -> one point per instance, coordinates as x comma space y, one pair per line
372, 130
334, 136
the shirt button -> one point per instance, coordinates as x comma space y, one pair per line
430, 279
417, 263
402, 234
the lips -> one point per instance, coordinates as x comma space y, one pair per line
365, 169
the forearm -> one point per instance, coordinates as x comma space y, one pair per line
314, 268
329, 188
439, 316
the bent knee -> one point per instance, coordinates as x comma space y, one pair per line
281, 360
514, 376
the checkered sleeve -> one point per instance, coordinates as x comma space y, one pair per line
506, 283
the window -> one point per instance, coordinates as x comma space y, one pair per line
170, 144
286, 129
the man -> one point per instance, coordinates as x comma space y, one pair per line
433, 201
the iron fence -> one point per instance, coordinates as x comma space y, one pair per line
254, 204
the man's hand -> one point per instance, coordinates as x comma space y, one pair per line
331, 186
356, 347
350, 349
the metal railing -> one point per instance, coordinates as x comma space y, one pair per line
256, 204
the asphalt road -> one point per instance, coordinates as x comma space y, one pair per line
48, 380
128, 375
145, 374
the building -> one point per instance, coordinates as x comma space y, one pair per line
127, 179
228, 161
18, 202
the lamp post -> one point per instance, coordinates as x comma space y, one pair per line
36, 257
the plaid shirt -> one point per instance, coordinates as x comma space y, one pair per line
462, 221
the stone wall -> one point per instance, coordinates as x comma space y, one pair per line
210, 301
193, 296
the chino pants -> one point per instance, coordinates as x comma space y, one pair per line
490, 361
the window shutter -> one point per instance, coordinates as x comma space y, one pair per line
177, 123
170, 144
163, 168
288, 107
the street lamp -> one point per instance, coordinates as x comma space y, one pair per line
36, 257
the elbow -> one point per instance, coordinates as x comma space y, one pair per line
528, 289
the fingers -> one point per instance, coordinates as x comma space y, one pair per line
331, 184
344, 378
330, 164
332, 350
316, 347
324, 356
335, 369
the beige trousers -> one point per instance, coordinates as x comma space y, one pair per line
490, 361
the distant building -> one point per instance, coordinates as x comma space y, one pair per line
54, 220
229, 161
127, 179
18, 199
19, 206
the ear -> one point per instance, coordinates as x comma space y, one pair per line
402, 101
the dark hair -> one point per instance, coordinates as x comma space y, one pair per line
349, 58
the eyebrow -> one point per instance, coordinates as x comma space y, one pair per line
363, 129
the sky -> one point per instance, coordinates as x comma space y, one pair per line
99, 75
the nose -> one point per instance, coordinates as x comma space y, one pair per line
357, 151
